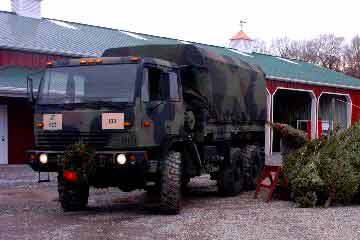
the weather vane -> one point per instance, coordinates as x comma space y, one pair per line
242, 23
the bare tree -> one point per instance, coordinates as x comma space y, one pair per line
352, 57
329, 49
260, 46
281, 47
297, 49
307, 51
326, 50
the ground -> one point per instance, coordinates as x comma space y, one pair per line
29, 210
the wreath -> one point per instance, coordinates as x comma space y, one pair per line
80, 158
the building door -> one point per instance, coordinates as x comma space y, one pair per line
3, 135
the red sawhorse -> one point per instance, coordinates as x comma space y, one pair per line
269, 179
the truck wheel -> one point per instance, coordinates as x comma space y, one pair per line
230, 182
170, 193
72, 196
184, 185
253, 158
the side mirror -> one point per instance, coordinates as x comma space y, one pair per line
30, 90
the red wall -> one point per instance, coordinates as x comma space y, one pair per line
25, 59
20, 128
20, 116
272, 85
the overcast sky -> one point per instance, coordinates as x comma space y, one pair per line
212, 21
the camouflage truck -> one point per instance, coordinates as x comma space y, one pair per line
156, 117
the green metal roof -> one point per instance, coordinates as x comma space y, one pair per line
66, 38
80, 40
294, 70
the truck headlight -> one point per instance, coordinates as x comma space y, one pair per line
43, 158
121, 159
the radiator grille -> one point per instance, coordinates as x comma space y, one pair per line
98, 140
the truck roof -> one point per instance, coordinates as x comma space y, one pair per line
109, 60
182, 54
234, 89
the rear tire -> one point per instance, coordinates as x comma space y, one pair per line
253, 158
184, 185
72, 196
231, 179
170, 193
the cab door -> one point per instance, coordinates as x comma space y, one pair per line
161, 97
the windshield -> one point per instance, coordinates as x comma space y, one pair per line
80, 84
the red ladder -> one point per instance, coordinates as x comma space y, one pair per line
269, 178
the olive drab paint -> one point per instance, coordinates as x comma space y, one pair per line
227, 92
190, 102
233, 90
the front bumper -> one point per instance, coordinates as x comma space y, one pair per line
104, 159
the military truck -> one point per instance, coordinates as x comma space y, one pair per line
156, 116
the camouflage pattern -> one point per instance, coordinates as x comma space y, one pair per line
84, 125
224, 95
233, 90
225, 90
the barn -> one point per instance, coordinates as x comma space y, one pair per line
298, 93
302, 94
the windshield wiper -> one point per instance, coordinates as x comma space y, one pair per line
156, 106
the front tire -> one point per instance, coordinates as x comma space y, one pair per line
231, 179
170, 193
72, 196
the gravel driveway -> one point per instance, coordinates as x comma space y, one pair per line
29, 210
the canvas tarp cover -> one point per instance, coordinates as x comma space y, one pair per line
234, 89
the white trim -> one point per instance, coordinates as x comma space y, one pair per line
267, 127
133, 35
349, 107
63, 24
313, 113
267, 90
272, 120
294, 89
283, 79
334, 93
13, 88
314, 116
287, 60
6, 135
13, 92
239, 52
184, 42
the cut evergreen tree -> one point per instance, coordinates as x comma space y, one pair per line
326, 171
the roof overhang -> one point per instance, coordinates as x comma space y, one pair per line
284, 79
47, 51
13, 92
